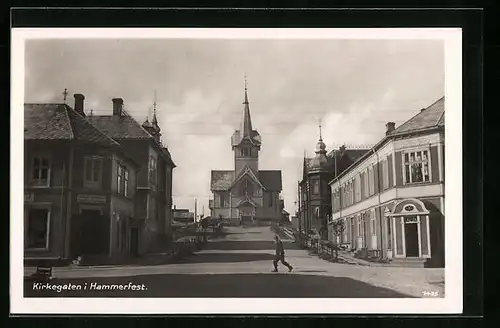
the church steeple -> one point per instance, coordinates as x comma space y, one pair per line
155, 120
319, 161
246, 124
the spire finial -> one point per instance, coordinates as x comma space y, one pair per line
154, 120
320, 137
246, 84
154, 103
65, 94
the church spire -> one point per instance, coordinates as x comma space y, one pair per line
154, 120
246, 129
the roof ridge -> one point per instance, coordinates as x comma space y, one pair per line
66, 114
80, 117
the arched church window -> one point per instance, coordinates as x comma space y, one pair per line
246, 188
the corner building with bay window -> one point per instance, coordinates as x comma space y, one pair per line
391, 200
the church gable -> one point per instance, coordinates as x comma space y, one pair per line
247, 172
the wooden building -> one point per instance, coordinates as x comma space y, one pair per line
314, 194
392, 199
246, 194
153, 199
79, 184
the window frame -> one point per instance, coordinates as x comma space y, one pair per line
92, 183
385, 174
316, 187
371, 181
122, 179
34, 182
409, 163
47, 224
357, 188
152, 172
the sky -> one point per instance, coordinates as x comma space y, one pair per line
354, 87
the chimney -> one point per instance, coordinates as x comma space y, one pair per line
422, 109
117, 106
342, 148
79, 99
390, 126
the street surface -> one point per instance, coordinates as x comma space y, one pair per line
239, 264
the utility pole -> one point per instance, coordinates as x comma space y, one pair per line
195, 213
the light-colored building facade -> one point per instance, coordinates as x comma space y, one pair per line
246, 193
391, 200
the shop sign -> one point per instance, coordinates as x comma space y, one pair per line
411, 219
94, 199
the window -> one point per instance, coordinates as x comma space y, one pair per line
371, 181
38, 228
372, 225
416, 166
151, 207
389, 239
122, 179
119, 178
359, 226
40, 172
270, 198
316, 187
93, 171
352, 192
222, 199
385, 174
245, 152
365, 184
125, 182
344, 232
152, 172
357, 188
317, 212
246, 188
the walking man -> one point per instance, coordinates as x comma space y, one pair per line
280, 255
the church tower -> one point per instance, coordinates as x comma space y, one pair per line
246, 142
152, 127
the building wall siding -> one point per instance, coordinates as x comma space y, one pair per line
399, 168
390, 170
434, 163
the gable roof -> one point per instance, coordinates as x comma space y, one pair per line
119, 127
46, 121
248, 171
245, 201
60, 122
221, 180
429, 117
271, 179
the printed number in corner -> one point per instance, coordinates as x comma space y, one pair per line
430, 293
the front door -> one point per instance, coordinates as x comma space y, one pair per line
94, 232
134, 241
411, 240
